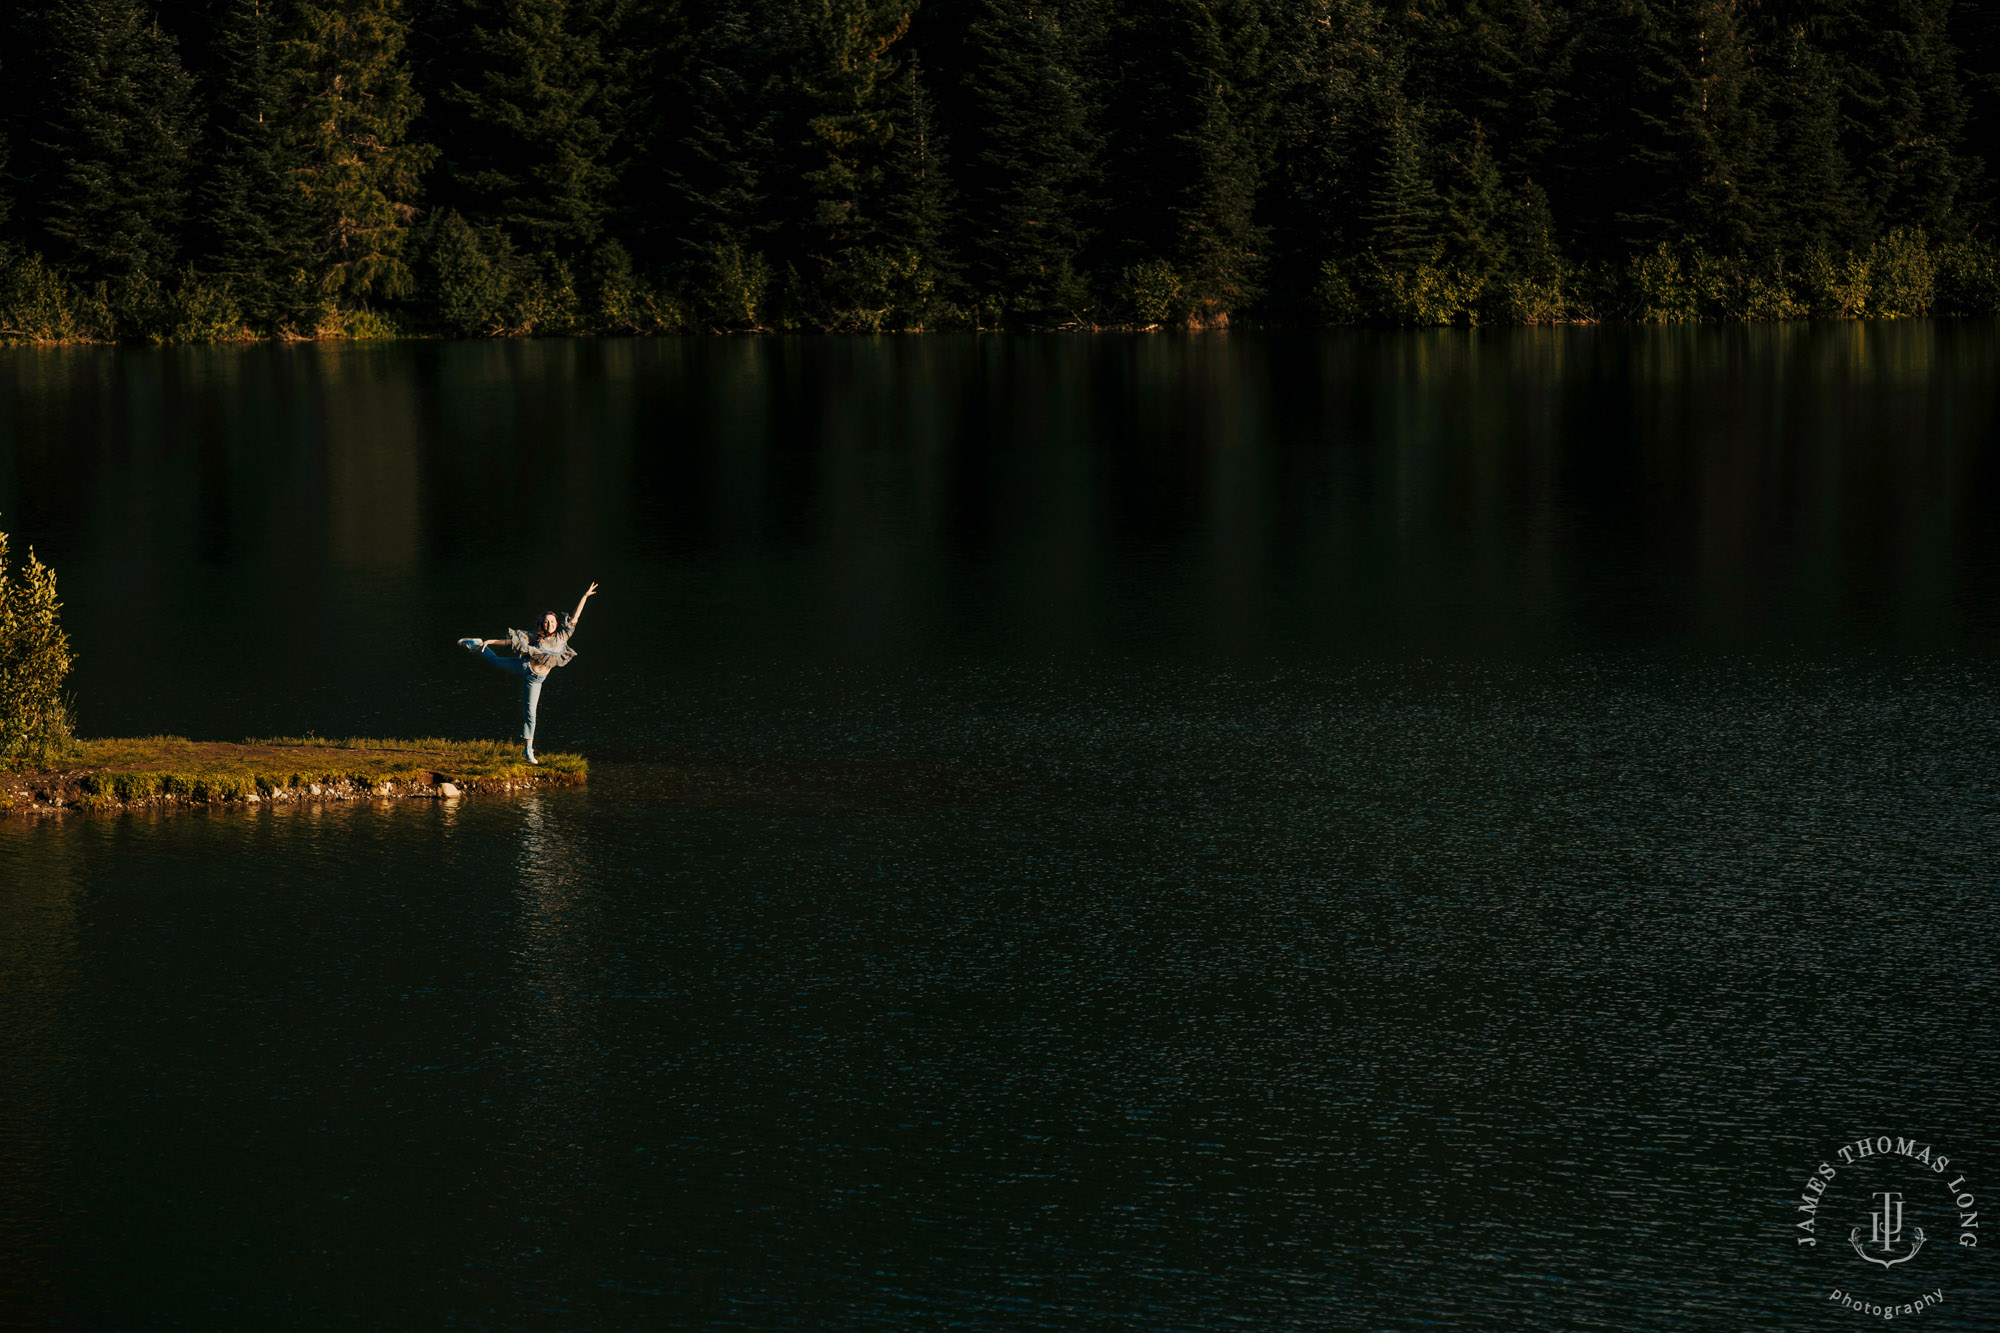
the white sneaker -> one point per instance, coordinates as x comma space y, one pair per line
528, 753
471, 645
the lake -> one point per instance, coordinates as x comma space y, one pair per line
1290, 831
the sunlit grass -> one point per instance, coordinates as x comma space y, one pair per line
138, 768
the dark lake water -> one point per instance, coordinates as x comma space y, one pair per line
1351, 832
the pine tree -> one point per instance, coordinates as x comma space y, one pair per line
1906, 107
115, 152
846, 86
1975, 35
1403, 213
1185, 148
713, 150
249, 225
354, 102
915, 200
540, 108
1030, 150
1813, 198
1477, 208
1702, 146
1663, 131
1330, 60
1484, 63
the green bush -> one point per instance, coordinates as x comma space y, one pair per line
1677, 286
201, 310
35, 723
1968, 279
623, 302
1769, 296
1525, 300
37, 306
1836, 286
872, 289
1153, 291
731, 287
471, 279
1431, 293
1333, 297
545, 301
1903, 275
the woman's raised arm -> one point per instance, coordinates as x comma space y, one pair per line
577, 614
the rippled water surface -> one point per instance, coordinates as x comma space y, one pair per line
1373, 832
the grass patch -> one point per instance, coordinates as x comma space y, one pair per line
123, 769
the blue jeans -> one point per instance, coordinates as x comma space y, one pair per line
531, 689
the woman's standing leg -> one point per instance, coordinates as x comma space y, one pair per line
531, 695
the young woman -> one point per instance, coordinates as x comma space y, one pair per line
536, 656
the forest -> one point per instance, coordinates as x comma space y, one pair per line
224, 169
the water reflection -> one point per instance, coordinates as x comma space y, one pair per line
43, 999
1453, 491
558, 1033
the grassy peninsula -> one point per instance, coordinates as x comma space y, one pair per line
45, 768
122, 773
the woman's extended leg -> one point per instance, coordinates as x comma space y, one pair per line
513, 666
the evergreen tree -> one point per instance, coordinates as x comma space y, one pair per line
1975, 35
1027, 168
1813, 198
250, 228
1703, 145
354, 101
541, 107
1403, 214
1484, 63
714, 134
1330, 60
115, 152
1185, 151
1906, 108
6, 194
915, 200
1476, 208
846, 86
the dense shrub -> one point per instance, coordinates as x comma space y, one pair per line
730, 289
35, 723
1153, 292
475, 283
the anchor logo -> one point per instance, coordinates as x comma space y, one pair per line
1885, 1228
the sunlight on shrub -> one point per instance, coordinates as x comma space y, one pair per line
1153, 290
732, 288
35, 722
1903, 273
1430, 294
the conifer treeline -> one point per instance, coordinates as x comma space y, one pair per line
225, 168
